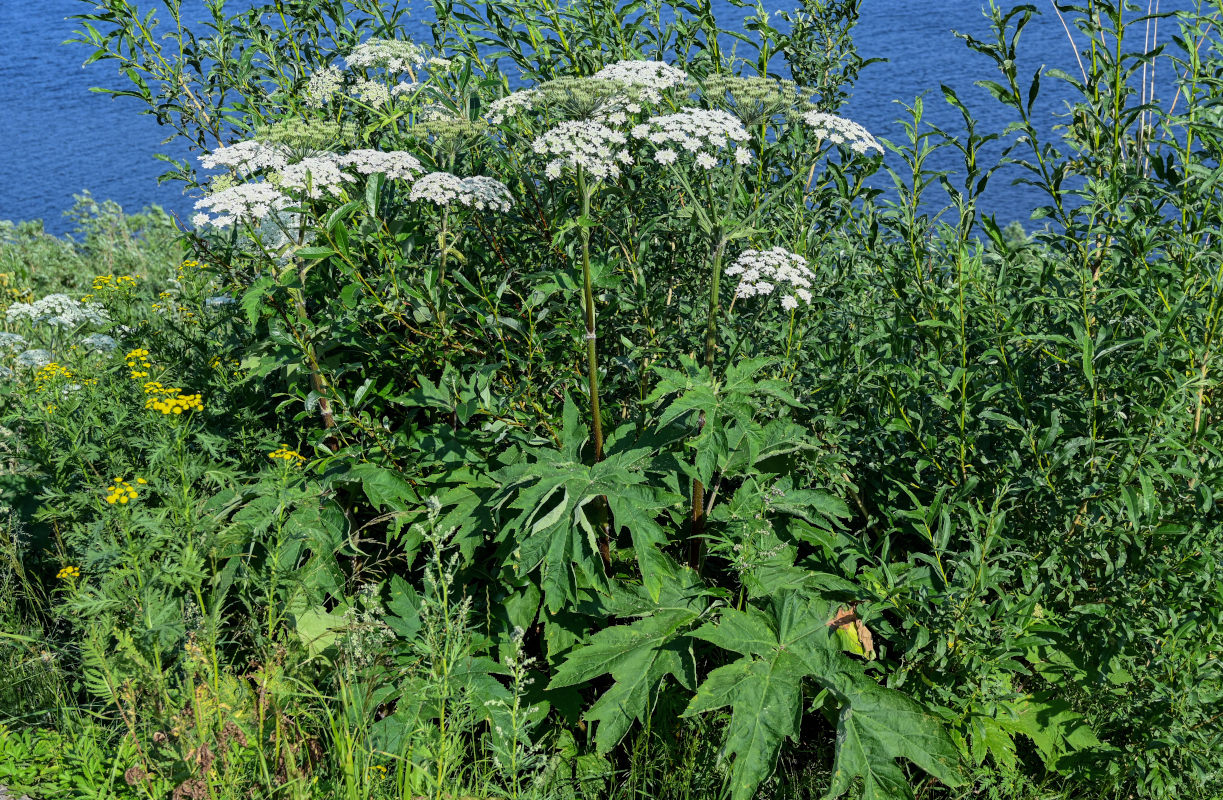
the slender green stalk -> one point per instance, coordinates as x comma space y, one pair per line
592, 357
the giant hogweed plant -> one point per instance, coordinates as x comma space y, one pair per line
607, 178
1023, 430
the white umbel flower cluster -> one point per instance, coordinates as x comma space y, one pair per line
697, 131
323, 85
58, 310
501, 110
246, 157
590, 146
314, 175
34, 358
650, 77
478, 192
397, 165
12, 342
764, 272
393, 55
372, 92
839, 130
250, 202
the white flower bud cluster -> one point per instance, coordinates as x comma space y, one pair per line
839, 130
247, 201
58, 310
313, 176
323, 85
590, 146
650, 77
393, 55
246, 157
372, 92
397, 165
501, 110
478, 192
696, 131
765, 271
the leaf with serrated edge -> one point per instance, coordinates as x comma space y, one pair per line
638, 656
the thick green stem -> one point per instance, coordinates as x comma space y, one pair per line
697, 520
603, 521
592, 361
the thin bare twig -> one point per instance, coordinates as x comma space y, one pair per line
1070, 36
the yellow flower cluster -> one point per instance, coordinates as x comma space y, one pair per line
105, 284
14, 295
49, 374
171, 400
138, 362
290, 456
190, 264
182, 311
68, 572
122, 491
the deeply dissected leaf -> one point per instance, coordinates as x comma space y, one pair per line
638, 656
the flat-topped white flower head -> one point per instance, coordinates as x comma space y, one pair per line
58, 310
372, 92
651, 77
396, 165
590, 146
699, 131
510, 105
250, 202
323, 85
393, 55
764, 272
479, 192
841, 131
12, 342
247, 157
314, 176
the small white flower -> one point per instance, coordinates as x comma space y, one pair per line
789, 303
706, 160
743, 156
665, 156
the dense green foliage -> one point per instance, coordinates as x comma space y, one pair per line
545, 486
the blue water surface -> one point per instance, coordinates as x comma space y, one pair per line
58, 139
